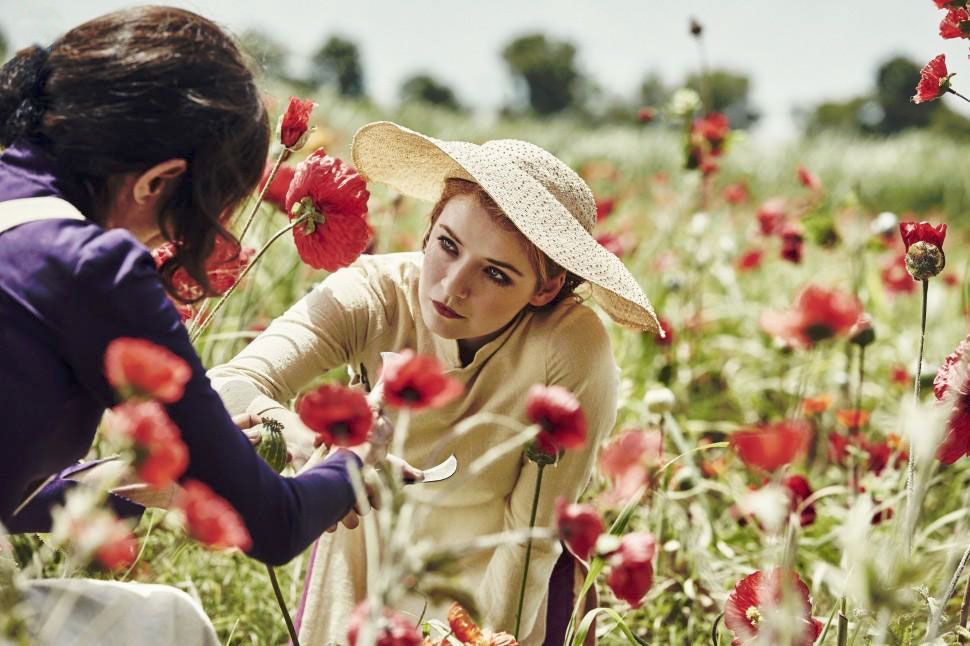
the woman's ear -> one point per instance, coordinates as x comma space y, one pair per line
157, 181
548, 291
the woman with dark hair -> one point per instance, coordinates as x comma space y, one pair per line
134, 128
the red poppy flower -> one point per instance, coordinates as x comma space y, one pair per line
736, 193
338, 415
579, 527
334, 197
750, 260
467, 631
140, 368
956, 24
899, 376
119, 551
294, 122
818, 314
792, 239
952, 387
629, 461
922, 232
798, 492
276, 193
808, 179
210, 519
223, 268
761, 593
417, 381
852, 419
393, 629
771, 446
631, 568
557, 412
816, 405
934, 81
944, 4
896, 278
949, 372
612, 243
646, 114
712, 128
604, 207
161, 456
771, 216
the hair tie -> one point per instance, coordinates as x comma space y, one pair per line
30, 76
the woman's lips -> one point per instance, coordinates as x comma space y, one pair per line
446, 311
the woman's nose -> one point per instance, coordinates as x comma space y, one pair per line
457, 283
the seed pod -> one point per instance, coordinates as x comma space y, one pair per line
272, 446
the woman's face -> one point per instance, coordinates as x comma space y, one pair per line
476, 276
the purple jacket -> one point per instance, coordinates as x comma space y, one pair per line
69, 287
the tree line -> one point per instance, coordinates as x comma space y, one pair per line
547, 80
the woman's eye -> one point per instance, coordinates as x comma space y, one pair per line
447, 244
497, 276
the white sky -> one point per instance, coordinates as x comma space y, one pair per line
797, 52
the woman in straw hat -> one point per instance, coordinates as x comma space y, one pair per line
491, 295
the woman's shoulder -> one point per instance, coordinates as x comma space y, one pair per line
574, 339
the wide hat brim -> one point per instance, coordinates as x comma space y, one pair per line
417, 165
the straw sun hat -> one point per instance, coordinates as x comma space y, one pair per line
548, 202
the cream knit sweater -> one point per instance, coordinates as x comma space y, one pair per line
372, 307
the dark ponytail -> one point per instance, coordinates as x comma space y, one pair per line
22, 101
130, 89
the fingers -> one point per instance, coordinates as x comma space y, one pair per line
246, 420
351, 520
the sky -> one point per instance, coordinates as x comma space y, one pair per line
797, 53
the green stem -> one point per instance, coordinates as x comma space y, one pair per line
528, 550
282, 603
911, 462
858, 392
965, 610
229, 292
842, 637
952, 91
269, 180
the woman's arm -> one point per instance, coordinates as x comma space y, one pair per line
117, 293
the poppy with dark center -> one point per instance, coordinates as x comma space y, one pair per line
772, 446
557, 412
332, 197
417, 381
338, 415
775, 591
818, 313
792, 241
712, 128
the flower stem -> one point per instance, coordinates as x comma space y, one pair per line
952, 91
259, 200
911, 462
858, 392
259, 254
282, 603
528, 550
965, 610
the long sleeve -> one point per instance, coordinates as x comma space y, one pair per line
116, 293
325, 329
578, 358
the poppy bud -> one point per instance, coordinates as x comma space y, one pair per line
862, 333
696, 29
924, 260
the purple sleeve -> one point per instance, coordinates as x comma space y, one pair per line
118, 293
